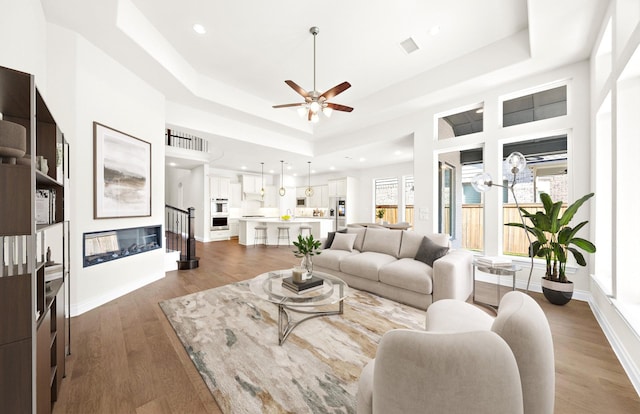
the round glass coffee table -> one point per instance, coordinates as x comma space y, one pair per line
314, 302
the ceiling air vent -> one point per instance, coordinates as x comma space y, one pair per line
409, 45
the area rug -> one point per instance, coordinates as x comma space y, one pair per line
231, 336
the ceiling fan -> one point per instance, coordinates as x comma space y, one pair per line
314, 101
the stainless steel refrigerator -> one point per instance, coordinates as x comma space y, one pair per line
340, 213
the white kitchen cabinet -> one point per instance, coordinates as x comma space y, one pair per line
333, 188
300, 192
338, 188
235, 195
234, 227
251, 184
220, 187
323, 198
271, 197
320, 197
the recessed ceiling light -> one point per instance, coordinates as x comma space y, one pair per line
172, 164
271, 171
288, 167
198, 28
313, 171
363, 159
479, 110
332, 168
295, 174
398, 152
435, 30
244, 167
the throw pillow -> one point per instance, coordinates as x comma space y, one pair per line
343, 241
330, 236
429, 252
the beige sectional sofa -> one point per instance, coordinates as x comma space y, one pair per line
384, 262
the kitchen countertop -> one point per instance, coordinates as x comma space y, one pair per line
278, 220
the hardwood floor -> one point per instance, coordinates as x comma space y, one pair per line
126, 357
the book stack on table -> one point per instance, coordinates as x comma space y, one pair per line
304, 286
494, 261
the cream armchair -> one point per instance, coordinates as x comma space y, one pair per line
466, 361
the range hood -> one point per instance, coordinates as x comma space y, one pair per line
252, 196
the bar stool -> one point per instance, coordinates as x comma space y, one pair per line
303, 228
260, 235
283, 233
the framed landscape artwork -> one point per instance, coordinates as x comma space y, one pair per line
122, 174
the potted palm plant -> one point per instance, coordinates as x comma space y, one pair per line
554, 239
307, 247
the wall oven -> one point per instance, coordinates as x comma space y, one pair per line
219, 206
219, 223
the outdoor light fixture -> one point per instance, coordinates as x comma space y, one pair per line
262, 178
309, 191
482, 183
282, 190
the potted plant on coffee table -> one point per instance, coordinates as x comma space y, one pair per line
307, 248
554, 239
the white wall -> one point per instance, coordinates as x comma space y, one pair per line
102, 90
23, 34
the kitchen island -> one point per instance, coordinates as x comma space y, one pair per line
319, 228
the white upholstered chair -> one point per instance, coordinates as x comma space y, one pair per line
465, 361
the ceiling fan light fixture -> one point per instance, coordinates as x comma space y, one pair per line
314, 107
314, 100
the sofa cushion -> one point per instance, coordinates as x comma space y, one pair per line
330, 236
365, 264
343, 242
382, 241
330, 259
411, 242
408, 274
429, 251
359, 232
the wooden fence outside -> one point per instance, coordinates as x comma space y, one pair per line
514, 239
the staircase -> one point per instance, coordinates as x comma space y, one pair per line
179, 228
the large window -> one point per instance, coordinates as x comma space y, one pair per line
462, 123
545, 104
546, 172
409, 191
386, 193
447, 199
394, 197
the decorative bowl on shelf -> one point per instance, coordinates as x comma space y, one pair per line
286, 217
13, 141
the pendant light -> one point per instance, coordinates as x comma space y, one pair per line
282, 190
262, 180
309, 191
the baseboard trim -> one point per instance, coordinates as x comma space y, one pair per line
535, 286
627, 362
80, 308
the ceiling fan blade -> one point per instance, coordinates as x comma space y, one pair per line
336, 90
288, 105
297, 88
339, 107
